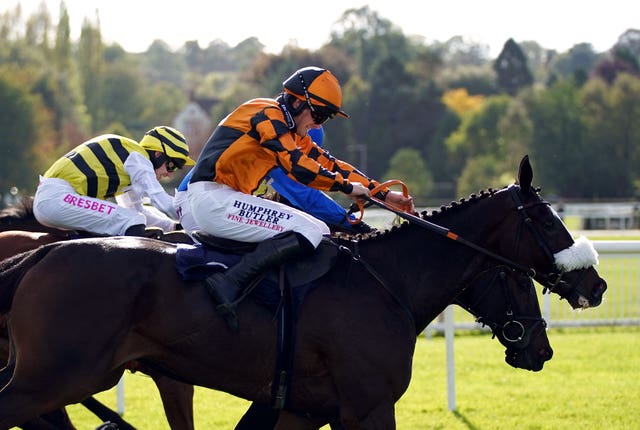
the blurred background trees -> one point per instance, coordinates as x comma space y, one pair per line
442, 116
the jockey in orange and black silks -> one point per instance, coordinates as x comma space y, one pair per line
256, 138
260, 135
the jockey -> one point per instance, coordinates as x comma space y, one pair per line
313, 201
73, 192
309, 200
259, 136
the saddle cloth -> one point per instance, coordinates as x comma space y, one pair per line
196, 262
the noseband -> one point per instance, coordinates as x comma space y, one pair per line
512, 330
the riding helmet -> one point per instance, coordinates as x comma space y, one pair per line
169, 141
316, 86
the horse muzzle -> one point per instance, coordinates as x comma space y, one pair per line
528, 359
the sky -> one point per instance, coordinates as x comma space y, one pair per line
554, 24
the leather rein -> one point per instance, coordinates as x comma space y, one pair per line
550, 281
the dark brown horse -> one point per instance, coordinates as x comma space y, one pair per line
82, 309
20, 231
517, 305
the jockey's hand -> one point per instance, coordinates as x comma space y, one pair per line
359, 190
397, 199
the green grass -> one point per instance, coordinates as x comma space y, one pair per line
591, 383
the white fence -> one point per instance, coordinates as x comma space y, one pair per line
619, 265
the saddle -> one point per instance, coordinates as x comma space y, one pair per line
297, 273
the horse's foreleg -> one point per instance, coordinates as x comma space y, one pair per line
177, 400
381, 417
18, 407
289, 421
56, 420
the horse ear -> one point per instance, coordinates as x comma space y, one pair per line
525, 174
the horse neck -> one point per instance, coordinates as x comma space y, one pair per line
426, 270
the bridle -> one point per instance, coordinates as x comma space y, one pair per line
553, 280
513, 331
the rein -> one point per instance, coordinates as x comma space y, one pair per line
513, 331
355, 255
550, 280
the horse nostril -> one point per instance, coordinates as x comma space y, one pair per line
598, 292
545, 353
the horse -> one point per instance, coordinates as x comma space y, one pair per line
180, 415
355, 332
20, 231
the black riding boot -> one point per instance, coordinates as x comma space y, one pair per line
226, 287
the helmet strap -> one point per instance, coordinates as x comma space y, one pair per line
286, 105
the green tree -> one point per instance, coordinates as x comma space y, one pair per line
123, 98
159, 63
408, 166
576, 62
480, 173
629, 41
557, 140
479, 132
612, 136
162, 103
366, 37
90, 63
511, 68
19, 134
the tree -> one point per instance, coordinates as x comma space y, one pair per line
159, 63
19, 134
557, 139
123, 98
612, 135
629, 41
511, 68
479, 133
408, 166
480, 173
576, 62
459, 51
90, 63
620, 61
459, 101
366, 37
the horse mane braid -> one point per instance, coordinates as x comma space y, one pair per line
434, 215
462, 203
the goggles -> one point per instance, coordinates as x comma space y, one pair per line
321, 114
174, 164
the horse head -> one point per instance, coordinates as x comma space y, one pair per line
505, 300
568, 268
518, 227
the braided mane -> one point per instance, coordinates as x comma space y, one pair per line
433, 217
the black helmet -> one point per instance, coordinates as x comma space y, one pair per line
319, 89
